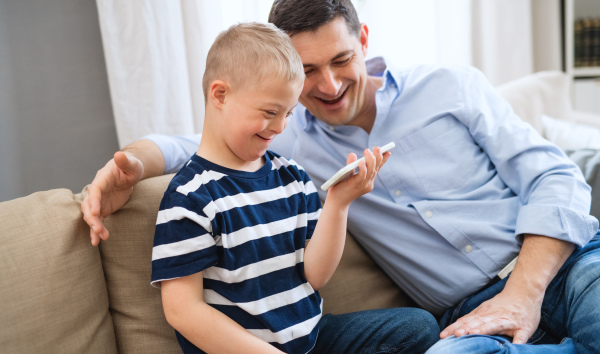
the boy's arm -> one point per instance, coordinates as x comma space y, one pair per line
324, 251
203, 325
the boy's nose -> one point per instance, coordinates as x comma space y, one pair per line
278, 124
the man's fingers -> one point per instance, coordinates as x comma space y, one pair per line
521, 337
453, 328
122, 161
95, 238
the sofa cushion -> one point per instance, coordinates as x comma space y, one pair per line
53, 296
359, 284
545, 92
136, 307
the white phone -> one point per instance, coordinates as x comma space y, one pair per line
348, 170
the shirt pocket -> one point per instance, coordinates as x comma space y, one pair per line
442, 154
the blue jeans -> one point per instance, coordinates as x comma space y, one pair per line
570, 317
397, 330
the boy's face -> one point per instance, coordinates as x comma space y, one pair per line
254, 114
336, 75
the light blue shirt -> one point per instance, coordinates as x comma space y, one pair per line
466, 178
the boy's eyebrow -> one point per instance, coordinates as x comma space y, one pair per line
339, 55
280, 106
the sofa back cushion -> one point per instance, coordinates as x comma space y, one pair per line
136, 307
545, 92
53, 297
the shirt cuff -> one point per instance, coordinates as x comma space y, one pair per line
176, 150
556, 222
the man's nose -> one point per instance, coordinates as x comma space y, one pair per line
328, 83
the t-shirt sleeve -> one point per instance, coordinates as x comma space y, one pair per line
183, 240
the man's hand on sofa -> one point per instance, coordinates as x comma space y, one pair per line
109, 191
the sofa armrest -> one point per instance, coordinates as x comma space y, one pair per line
586, 118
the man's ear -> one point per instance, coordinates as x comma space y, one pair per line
364, 38
218, 90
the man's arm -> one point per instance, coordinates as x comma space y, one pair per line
204, 326
548, 184
515, 311
113, 184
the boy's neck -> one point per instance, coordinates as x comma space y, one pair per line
222, 156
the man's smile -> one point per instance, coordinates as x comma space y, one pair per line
334, 100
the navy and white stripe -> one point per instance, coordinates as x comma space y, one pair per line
246, 231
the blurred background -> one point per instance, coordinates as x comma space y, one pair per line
80, 79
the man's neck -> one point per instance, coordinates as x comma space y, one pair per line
366, 119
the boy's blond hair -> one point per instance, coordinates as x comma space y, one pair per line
248, 53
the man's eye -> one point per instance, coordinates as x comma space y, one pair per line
271, 113
306, 73
342, 62
289, 113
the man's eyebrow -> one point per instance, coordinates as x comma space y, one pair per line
339, 55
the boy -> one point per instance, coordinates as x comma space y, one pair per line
231, 249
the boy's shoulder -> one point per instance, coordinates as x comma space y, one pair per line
191, 180
279, 161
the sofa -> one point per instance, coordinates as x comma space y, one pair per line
59, 294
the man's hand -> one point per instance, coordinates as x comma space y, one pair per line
513, 315
516, 311
109, 191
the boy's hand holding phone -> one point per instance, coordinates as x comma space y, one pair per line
362, 182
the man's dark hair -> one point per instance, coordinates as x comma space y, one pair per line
295, 16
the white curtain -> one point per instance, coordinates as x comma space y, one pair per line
506, 39
155, 56
155, 49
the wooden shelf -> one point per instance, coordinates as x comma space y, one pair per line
586, 71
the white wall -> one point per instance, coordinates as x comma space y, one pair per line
56, 123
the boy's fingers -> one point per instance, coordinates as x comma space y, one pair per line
351, 158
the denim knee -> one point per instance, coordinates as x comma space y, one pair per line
473, 343
425, 329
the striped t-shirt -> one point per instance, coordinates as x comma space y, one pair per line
246, 231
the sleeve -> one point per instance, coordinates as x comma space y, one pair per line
552, 188
183, 241
176, 150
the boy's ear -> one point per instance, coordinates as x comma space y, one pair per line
217, 93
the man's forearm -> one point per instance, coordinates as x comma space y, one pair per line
150, 155
539, 260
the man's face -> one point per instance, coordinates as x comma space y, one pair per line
336, 76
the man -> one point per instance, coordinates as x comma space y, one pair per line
468, 188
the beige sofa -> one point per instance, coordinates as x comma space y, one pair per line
58, 294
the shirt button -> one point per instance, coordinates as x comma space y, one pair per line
397, 192
428, 214
332, 128
468, 248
